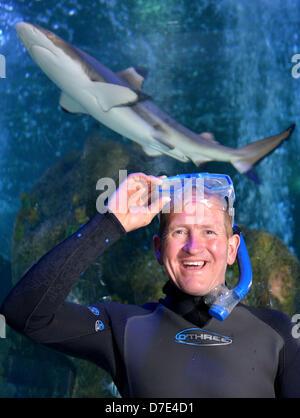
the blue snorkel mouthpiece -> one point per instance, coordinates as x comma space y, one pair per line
215, 190
223, 300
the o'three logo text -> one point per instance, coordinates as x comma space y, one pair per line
198, 336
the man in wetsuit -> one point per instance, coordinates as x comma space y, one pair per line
173, 348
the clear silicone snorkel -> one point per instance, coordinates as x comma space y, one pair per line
221, 299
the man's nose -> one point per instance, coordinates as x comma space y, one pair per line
194, 244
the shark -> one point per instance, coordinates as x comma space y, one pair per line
117, 100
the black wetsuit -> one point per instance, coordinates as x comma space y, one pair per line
168, 349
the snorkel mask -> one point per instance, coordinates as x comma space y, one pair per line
212, 190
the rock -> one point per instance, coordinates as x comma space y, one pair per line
276, 272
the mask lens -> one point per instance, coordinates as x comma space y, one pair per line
171, 185
207, 188
212, 184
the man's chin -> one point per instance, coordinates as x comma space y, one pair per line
194, 289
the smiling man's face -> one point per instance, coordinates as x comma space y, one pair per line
196, 254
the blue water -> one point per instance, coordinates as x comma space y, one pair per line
220, 66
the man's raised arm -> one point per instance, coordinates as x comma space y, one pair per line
43, 289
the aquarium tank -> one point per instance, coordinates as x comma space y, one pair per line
229, 68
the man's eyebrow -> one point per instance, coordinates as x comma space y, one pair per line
174, 226
188, 226
209, 226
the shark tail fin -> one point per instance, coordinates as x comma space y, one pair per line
252, 153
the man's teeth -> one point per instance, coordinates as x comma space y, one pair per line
193, 263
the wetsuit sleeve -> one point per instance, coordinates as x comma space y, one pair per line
37, 305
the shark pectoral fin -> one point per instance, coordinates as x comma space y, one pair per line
159, 149
161, 138
70, 105
151, 152
133, 77
112, 95
201, 160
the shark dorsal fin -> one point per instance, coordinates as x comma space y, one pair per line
209, 136
133, 76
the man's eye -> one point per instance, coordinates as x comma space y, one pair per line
179, 232
209, 232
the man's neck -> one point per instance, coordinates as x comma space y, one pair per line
192, 308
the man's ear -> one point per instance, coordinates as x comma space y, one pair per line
157, 242
233, 245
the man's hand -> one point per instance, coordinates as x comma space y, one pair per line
131, 203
